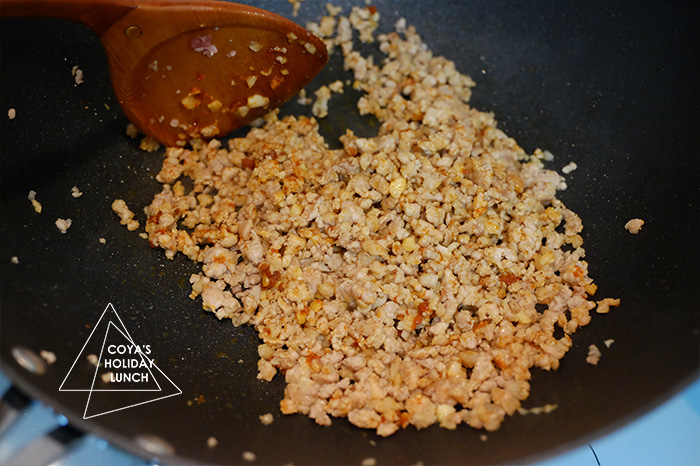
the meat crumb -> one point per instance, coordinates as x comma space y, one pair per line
106, 377
212, 442
92, 359
296, 5
302, 98
336, 86
369, 461
267, 419
323, 94
132, 131
63, 224
77, 75
320, 106
102, 240
75, 192
545, 409
400, 25
148, 144
249, 456
11, 113
605, 305
634, 226
48, 356
594, 355
126, 215
36, 204
568, 168
609, 342
14, 260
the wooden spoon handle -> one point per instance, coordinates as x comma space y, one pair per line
98, 15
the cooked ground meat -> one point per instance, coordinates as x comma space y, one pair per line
594, 355
634, 226
411, 278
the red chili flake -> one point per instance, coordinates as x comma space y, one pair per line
268, 279
577, 271
200, 76
508, 278
276, 81
155, 218
372, 9
480, 325
423, 310
248, 163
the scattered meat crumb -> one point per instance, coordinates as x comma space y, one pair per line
365, 21
568, 168
32, 197
609, 342
249, 456
48, 356
323, 95
320, 107
594, 355
212, 442
257, 123
126, 215
546, 409
605, 305
102, 240
11, 113
267, 419
75, 192
14, 260
296, 5
132, 131
106, 377
483, 437
77, 74
333, 10
302, 99
336, 86
400, 25
148, 144
92, 359
369, 461
634, 226
63, 224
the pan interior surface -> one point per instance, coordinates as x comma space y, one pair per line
603, 84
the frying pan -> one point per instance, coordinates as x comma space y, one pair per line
608, 85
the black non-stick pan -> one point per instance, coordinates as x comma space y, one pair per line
611, 86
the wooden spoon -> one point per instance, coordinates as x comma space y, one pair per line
186, 69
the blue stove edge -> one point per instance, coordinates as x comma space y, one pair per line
668, 435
